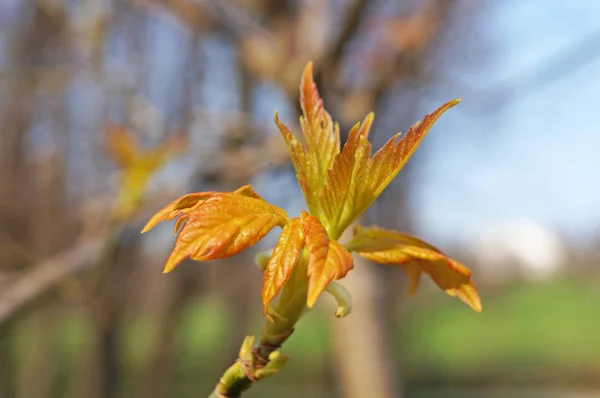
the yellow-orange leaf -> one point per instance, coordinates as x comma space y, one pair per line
183, 204
322, 138
223, 225
416, 256
176, 208
327, 259
282, 261
350, 165
321, 134
218, 225
357, 179
392, 157
305, 173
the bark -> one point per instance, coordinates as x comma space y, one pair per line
365, 363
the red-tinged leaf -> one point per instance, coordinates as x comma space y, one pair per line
122, 145
356, 179
416, 256
182, 205
305, 172
391, 158
322, 137
176, 208
321, 134
327, 259
282, 261
224, 225
350, 165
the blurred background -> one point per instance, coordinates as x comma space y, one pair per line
506, 183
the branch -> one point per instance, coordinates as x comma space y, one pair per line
253, 364
48, 273
334, 54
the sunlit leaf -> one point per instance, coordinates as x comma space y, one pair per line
183, 204
300, 158
282, 261
357, 179
321, 134
390, 159
322, 138
339, 194
176, 208
223, 225
416, 256
327, 259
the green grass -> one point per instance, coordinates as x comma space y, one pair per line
527, 328
526, 332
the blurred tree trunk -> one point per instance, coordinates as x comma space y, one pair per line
364, 343
157, 379
36, 375
109, 293
365, 363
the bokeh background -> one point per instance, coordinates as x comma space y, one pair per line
506, 182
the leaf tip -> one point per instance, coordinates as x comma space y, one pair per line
311, 299
308, 69
170, 266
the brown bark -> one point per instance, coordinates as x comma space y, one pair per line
364, 360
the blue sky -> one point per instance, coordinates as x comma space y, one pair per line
537, 157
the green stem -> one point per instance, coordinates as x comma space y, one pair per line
263, 359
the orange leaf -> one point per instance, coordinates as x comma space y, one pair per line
304, 172
321, 134
356, 179
416, 256
283, 260
176, 208
327, 259
322, 138
223, 225
182, 205
350, 165
390, 159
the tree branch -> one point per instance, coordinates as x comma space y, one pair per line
50, 272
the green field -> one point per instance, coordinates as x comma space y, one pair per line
544, 334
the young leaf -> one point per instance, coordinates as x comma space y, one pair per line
305, 172
350, 165
392, 157
176, 208
327, 259
224, 225
416, 256
356, 179
283, 260
182, 205
322, 138
321, 134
